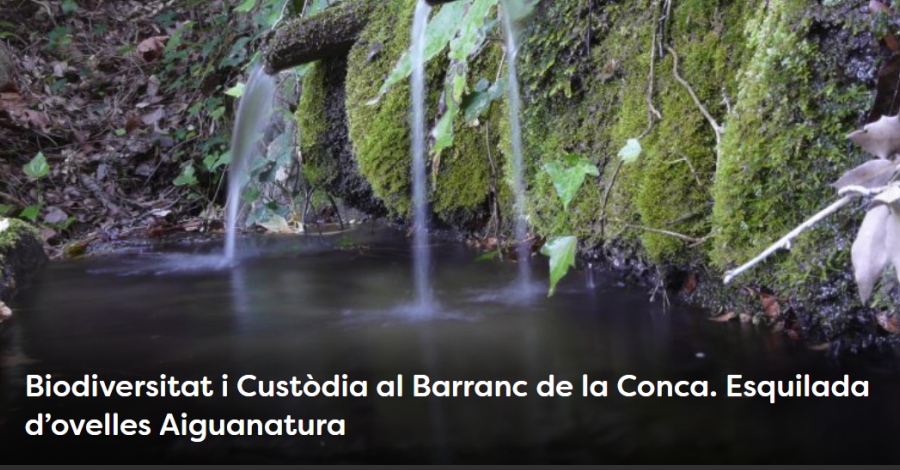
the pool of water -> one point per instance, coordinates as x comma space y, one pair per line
341, 304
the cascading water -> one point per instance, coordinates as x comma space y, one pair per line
421, 250
253, 112
518, 172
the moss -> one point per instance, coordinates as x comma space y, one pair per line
21, 254
328, 161
312, 125
380, 132
783, 145
596, 113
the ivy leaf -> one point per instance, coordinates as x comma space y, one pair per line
880, 138
872, 174
443, 131
31, 212
438, 33
868, 252
475, 103
489, 256
246, 6
186, 178
236, 91
631, 151
37, 168
568, 175
561, 251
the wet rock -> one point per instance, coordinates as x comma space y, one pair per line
21, 256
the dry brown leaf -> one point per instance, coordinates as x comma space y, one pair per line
770, 305
690, 284
871, 174
151, 49
868, 251
890, 322
133, 122
5, 312
727, 316
880, 138
820, 347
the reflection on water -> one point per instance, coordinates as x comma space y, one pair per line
322, 305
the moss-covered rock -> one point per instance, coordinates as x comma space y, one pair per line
380, 132
740, 138
328, 161
21, 256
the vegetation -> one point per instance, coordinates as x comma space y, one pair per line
687, 136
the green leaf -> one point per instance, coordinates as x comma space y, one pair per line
489, 256
186, 178
518, 9
438, 33
236, 91
568, 175
31, 212
217, 113
69, 6
561, 251
475, 103
120, 132
631, 151
37, 168
213, 161
443, 130
6, 209
246, 6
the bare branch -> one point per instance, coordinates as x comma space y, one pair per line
785, 241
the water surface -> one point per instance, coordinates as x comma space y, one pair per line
345, 304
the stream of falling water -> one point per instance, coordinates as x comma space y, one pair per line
421, 250
253, 112
521, 225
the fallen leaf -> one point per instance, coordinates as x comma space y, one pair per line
133, 123
727, 316
820, 347
690, 284
871, 174
868, 252
890, 196
151, 49
892, 238
880, 138
888, 321
55, 215
5, 312
745, 317
770, 305
277, 224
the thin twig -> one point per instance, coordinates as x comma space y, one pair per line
669, 233
712, 122
609, 187
785, 241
